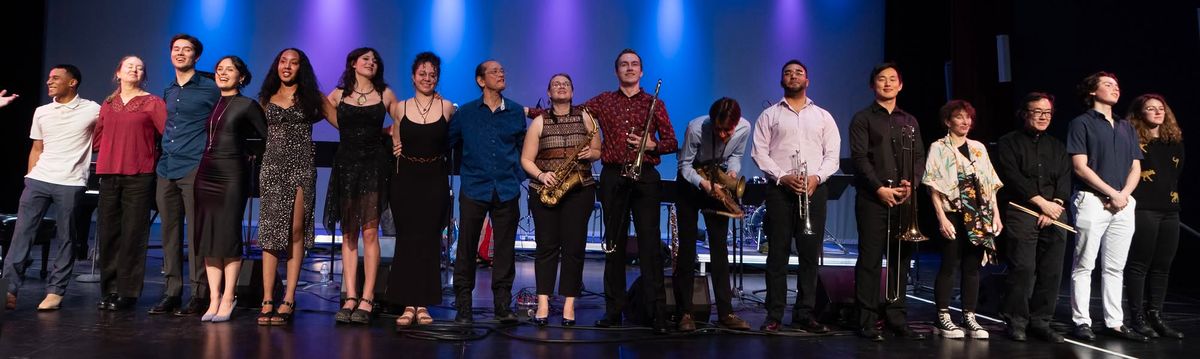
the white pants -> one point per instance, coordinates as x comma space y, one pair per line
1100, 232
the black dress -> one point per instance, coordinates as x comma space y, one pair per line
222, 181
420, 200
361, 169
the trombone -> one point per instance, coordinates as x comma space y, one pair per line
908, 213
633, 170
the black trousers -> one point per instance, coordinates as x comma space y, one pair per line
504, 216
688, 204
1035, 260
561, 235
123, 232
872, 245
620, 197
958, 254
1149, 265
784, 227
176, 203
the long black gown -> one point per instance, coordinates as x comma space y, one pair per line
222, 182
420, 200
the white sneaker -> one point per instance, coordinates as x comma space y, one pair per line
974, 330
946, 328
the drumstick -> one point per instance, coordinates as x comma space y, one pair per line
1035, 214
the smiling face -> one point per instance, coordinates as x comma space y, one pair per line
1107, 91
60, 83
228, 77
366, 65
629, 69
887, 84
561, 89
1038, 114
183, 55
425, 79
960, 123
131, 71
288, 66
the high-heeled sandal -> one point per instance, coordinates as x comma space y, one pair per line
423, 317
362, 316
406, 319
343, 315
264, 318
282, 318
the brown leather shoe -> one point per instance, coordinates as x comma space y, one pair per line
686, 324
52, 302
10, 301
731, 321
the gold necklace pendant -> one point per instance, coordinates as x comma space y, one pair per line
361, 99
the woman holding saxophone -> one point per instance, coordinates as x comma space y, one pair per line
559, 148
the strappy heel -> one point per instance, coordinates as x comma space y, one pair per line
423, 317
264, 318
406, 319
361, 316
282, 318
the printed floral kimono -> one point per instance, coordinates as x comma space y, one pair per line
968, 185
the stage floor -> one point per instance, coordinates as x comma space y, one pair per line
79, 330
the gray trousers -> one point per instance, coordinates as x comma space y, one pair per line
176, 202
35, 201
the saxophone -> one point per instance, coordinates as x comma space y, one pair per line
732, 192
567, 173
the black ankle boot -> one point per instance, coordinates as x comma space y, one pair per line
1138, 324
1154, 319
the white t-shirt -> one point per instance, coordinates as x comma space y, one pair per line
66, 133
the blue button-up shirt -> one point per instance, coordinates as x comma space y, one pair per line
188, 108
491, 149
1110, 149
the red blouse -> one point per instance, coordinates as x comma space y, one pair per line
127, 135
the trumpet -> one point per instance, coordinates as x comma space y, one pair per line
633, 170
908, 213
729, 195
800, 169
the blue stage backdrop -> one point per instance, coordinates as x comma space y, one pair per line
702, 50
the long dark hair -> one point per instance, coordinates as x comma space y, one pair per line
308, 92
241, 67
1168, 132
349, 80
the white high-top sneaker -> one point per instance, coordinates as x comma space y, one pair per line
973, 328
946, 328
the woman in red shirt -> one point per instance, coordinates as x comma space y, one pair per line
127, 131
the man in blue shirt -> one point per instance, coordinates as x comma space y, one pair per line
190, 100
491, 130
1107, 163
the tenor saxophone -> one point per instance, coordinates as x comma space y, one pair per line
567, 173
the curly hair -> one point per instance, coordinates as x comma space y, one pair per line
1169, 130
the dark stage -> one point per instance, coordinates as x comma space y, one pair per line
79, 330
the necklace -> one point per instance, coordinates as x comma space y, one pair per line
423, 111
362, 96
212, 125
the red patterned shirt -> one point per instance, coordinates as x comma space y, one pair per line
620, 115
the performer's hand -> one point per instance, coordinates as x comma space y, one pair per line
547, 178
1050, 209
396, 148
997, 227
813, 182
904, 191
585, 153
636, 140
946, 228
792, 182
5, 100
1120, 201
706, 186
731, 173
888, 196
1043, 221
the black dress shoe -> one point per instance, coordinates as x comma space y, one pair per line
463, 318
1084, 332
1124, 332
1154, 317
106, 301
809, 325
1016, 334
123, 303
871, 334
539, 322
609, 322
195, 306
568, 322
905, 332
506, 317
1047, 334
1139, 324
165, 305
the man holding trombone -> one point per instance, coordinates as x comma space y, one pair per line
1037, 175
797, 145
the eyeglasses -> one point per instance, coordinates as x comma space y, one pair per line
1040, 113
495, 72
560, 84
